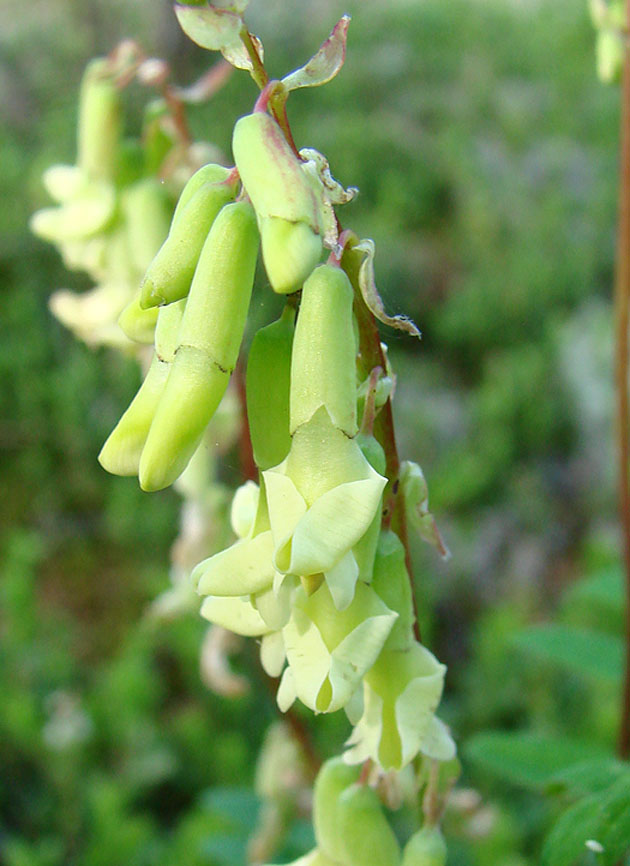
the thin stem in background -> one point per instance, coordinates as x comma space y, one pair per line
622, 316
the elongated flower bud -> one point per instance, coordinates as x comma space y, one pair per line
146, 210
268, 385
99, 125
121, 452
137, 323
425, 848
208, 346
170, 274
289, 213
323, 370
366, 837
332, 780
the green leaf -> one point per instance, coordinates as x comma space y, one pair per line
529, 759
589, 777
210, 26
586, 652
603, 590
324, 65
602, 818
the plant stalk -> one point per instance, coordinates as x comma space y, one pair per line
622, 320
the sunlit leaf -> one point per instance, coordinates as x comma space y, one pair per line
324, 65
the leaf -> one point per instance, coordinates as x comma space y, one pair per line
371, 294
324, 65
212, 26
603, 819
603, 589
236, 53
529, 759
589, 777
584, 651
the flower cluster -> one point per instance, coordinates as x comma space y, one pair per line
311, 573
317, 572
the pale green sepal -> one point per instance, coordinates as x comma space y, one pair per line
272, 653
242, 569
236, 614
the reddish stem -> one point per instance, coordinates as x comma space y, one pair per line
622, 319
372, 355
249, 469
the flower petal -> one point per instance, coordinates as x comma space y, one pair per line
241, 569
272, 653
342, 579
334, 524
286, 691
244, 506
236, 614
437, 742
286, 507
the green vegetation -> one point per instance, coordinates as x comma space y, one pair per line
485, 151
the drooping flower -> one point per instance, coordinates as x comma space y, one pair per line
329, 651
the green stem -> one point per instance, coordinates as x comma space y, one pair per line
622, 317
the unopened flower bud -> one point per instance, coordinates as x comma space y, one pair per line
332, 780
208, 345
99, 125
366, 836
121, 452
425, 848
170, 274
323, 368
268, 385
289, 212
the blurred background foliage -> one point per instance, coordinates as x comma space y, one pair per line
485, 150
